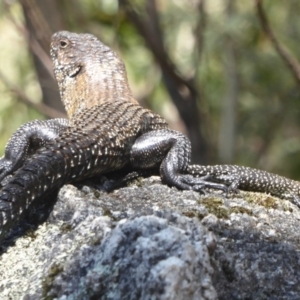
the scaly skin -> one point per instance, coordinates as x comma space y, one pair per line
26, 140
250, 179
107, 131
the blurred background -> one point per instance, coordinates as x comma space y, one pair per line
225, 72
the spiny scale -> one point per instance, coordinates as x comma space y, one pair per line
107, 131
250, 179
97, 142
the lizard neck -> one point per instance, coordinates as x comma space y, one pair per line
94, 85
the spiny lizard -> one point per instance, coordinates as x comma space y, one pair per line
107, 131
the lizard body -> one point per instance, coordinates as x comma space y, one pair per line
107, 131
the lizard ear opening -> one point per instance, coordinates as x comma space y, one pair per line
73, 71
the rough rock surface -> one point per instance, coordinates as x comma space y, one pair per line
149, 241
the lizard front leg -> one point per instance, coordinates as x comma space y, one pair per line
26, 140
170, 151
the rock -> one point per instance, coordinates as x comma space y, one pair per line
155, 242
148, 257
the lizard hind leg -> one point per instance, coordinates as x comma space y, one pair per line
170, 151
26, 140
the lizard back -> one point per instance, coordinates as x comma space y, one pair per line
104, 122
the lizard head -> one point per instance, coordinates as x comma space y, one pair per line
87, 71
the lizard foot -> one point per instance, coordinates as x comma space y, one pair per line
189, 182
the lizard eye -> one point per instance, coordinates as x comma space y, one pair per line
63, 44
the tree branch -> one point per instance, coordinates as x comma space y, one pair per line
31, 41
40, 107
183, 92
199, 31
291, 62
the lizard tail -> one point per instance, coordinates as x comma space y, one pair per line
37, 178
250, 179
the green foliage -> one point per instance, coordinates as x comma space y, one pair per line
16, 66
268, 108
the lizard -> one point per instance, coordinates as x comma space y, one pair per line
249, 179
107, 130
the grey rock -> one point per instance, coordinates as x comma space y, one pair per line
148, 257
149, 241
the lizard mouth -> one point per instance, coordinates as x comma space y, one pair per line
73, 71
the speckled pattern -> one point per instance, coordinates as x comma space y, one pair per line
250, 179
107, 131
26, 140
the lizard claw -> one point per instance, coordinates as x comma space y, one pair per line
199, 183
232, 189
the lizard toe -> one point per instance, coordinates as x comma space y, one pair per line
198, 184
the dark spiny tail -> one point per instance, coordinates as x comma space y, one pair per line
250, 179
37, 178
